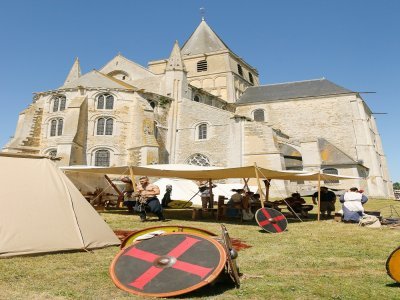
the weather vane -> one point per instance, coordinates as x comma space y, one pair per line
202, 13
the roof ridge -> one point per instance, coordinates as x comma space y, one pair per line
299, 81
127, 85
129, 60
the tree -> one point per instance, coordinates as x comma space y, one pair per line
396, 186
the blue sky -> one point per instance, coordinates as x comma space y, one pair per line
353, 43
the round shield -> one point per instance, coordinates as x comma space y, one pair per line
168, 265
231, 255
271, 220
393, 265
129, 240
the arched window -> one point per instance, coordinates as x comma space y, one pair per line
102, 158
100, 126
109, 126
202, 66
63, 103
59, 103
196, 98
105, 126
56, 103
198, 160
56, 127
332, 171
202, 131
53, 127
259, 115
60, 126
105, 101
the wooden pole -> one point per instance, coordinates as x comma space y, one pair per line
319, 195
211, 200
120, 194
114, 186
133, 179
262, 198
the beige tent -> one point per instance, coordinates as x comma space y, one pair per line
205, 173
42, 211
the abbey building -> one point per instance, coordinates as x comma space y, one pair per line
204, 105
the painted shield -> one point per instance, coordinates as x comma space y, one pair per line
393, 265
271, 220
130, 239
168, 265
231, 255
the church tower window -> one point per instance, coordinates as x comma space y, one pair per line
59, 103
259, 115
202, 66
105, 101
202, 131
56, 127
198, 160
251, 79
240, 70
105, 126
102, 158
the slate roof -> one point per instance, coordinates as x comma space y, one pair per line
203, 40
291, 90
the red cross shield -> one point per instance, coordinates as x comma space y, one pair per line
271, 220
168, 265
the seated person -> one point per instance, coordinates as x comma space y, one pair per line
274, 204
352, 206
236, 198
297, 204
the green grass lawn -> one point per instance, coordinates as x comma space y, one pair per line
311, 260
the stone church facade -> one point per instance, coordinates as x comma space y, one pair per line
204, 105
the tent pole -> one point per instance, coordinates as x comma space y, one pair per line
211, 201
259, 186
133, 179
319, 195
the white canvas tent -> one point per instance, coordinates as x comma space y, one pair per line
42, 211
183, 189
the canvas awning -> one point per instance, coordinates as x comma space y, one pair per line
205, 173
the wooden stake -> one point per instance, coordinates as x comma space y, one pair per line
319, 195
114, 186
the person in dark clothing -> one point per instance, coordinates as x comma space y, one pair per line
298, 205
327, 203
167, 196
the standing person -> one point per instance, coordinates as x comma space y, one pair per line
167, 196
327, 202
147, 193
129, 199
353, 201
